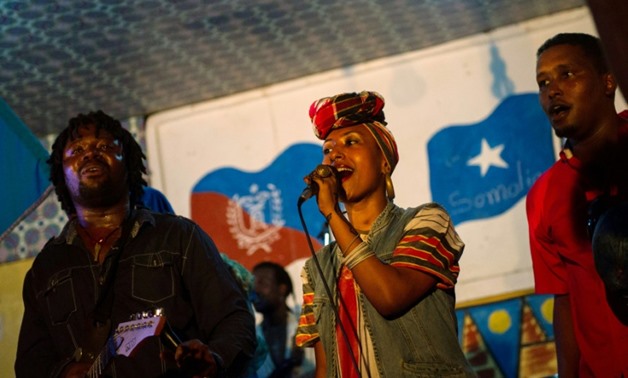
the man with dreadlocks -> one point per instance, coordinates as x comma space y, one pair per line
115, 258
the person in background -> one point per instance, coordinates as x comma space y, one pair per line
156, 201
245, 280
391, 272
271, 288
577, 92
113, 259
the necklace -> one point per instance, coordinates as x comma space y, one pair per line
99, 242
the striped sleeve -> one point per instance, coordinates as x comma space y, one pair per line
430, 244
307, 332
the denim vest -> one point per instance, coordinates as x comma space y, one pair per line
422, 342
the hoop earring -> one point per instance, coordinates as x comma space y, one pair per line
390, 189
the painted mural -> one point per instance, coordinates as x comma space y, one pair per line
483, 169
253, 216
510, 337
472, 137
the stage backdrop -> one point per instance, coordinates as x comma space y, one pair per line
471, 136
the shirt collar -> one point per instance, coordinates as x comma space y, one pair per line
139, 217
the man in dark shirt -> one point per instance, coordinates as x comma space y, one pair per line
113, 259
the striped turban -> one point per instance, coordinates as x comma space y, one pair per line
352, 109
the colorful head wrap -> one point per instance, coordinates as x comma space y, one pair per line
352, 109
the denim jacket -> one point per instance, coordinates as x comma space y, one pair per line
167, 262
422, 342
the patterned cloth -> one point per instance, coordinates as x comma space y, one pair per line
428, 243
353, 109
348, 316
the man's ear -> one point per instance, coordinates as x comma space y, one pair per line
610, 83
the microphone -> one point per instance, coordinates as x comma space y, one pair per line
311, 190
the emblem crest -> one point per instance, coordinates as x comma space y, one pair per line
264, 208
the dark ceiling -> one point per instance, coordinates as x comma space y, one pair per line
136, 57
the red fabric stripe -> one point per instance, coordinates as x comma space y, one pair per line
348, 319
419, 254
432, 241
308, 298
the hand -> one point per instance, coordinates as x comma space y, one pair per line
197, 360
76, 370
326, 185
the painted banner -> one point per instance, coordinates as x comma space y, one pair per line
482, 170
23, 170
253, 216
470, 131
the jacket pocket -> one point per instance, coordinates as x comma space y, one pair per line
153, 277
60, 297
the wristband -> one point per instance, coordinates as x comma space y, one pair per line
348, 251
359, 254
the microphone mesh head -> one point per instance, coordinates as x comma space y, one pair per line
324, 171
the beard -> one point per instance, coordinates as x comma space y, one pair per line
103, 195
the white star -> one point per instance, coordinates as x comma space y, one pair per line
489, 156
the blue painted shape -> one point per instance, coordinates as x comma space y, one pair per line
536, 303
500, 326
286, 173
460, 321
501, 86
517, 132
23, 169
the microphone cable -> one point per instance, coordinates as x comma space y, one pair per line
331, 298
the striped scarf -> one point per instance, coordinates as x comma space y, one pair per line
353, 109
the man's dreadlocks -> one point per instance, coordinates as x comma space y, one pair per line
133, 157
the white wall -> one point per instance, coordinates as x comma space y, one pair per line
424, 90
